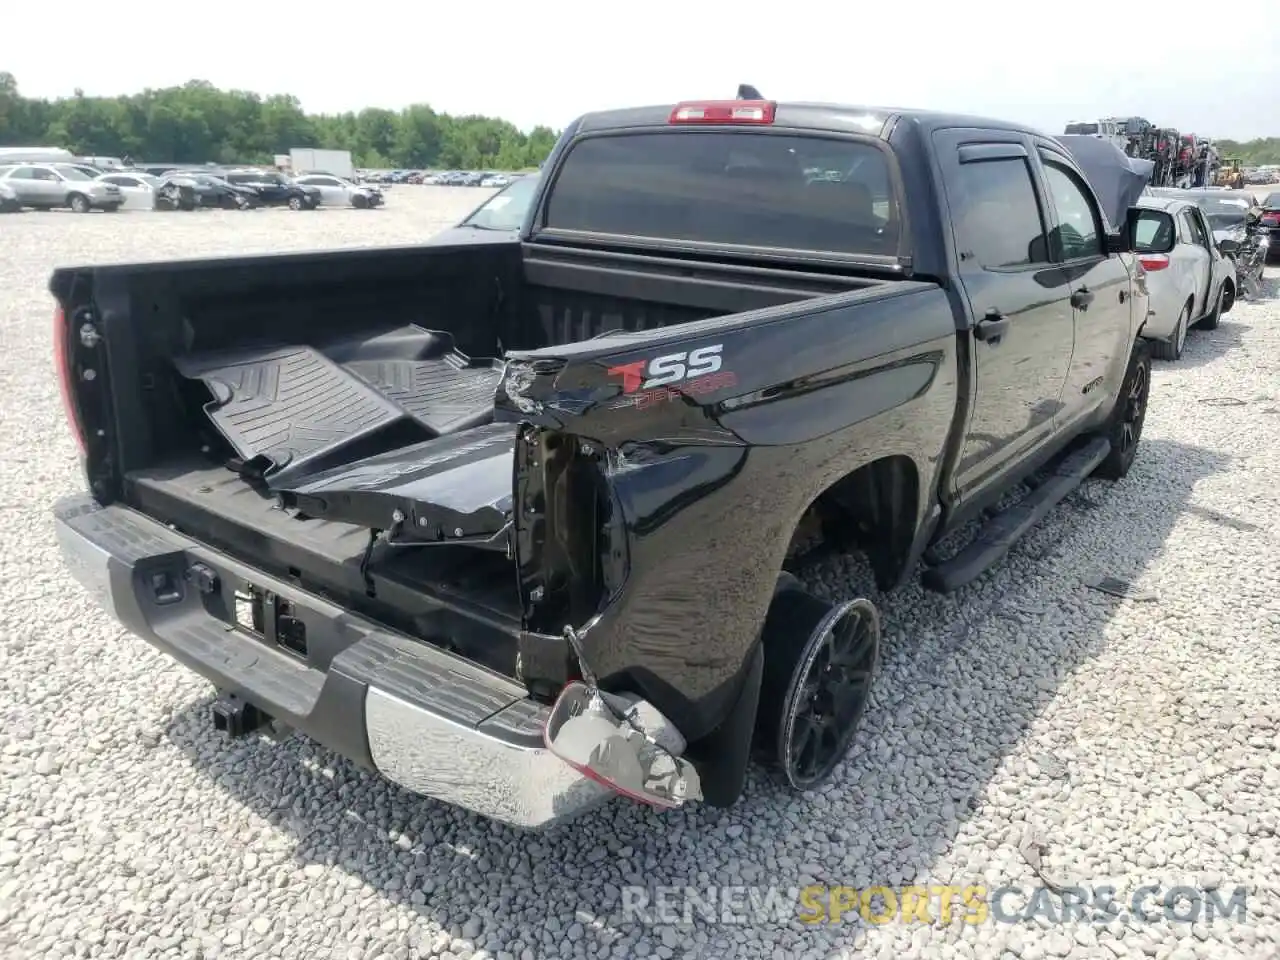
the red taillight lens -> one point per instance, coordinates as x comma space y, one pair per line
724, 111
1271, 219
1153, 261
62, 363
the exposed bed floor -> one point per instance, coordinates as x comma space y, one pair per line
295, 409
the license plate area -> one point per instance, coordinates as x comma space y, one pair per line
270, 618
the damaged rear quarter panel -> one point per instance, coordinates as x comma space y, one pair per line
711, 483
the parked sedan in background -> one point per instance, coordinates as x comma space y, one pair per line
1190, 282
46, 186
189, 190
137, 189
274, 189
336, 192
1230, 214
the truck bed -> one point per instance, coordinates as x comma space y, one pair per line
235, 382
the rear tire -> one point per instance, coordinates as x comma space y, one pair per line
79, 203
1172, 348
1211, 321
1124, 426
818, 671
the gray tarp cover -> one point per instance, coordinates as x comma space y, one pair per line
1117, 178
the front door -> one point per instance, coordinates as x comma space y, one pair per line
1019, 302
1099, 288
53, 190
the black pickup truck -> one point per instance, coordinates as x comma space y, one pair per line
513, 523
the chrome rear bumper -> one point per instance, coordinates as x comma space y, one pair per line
433, 722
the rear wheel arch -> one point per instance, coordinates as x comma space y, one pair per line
873, 509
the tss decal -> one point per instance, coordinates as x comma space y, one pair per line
672, 368
698, 371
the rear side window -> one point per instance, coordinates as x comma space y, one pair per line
744, 188
1195, 230
997, 219
1154, 232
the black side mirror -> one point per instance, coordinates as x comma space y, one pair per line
1124, 239
1229, 246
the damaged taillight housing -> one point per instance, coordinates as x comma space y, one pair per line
65, 369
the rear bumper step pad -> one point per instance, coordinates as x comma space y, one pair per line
433, 722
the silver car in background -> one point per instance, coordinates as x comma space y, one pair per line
1190, 282
336, 191
46, 186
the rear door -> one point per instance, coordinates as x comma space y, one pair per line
1099, 286
24, 184
1186, 265
1202, 252
1019, 302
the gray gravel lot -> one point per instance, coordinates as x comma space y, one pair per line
1026, 719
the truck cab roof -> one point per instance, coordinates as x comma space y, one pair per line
826, 117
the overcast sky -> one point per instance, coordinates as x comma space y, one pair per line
543, 64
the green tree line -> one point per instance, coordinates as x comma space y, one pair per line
198, 123
1252, 152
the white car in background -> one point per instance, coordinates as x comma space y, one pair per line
1190, 282
338, 192
138, 189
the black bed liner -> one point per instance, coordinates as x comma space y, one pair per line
292, 410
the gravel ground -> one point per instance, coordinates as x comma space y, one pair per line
1027, 719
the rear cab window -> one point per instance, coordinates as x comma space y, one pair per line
745, 188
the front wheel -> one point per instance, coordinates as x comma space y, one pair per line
79, 203
296, 203
360, 201
1124, 426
